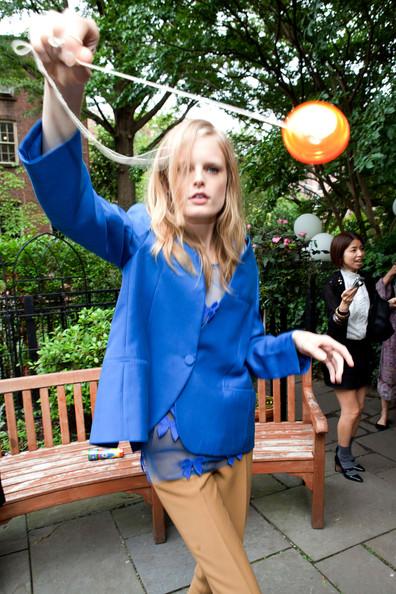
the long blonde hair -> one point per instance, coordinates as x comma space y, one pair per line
165, 202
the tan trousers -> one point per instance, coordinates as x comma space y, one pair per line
210, 513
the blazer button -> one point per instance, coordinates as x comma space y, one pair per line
189, 359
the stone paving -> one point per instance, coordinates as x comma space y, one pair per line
104, 545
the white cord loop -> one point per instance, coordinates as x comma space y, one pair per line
23, 48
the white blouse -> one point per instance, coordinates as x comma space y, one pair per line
358, 309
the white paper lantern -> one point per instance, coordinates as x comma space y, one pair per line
306, 226
394, 207
319, 247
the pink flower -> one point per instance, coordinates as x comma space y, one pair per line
282, 221
287, 241
302, 233
276, 239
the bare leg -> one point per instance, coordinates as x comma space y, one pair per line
349, 416
360, 397
383, 420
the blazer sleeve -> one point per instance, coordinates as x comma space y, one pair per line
63, 187
271, 357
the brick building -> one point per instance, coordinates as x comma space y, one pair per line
15, 120
17, 115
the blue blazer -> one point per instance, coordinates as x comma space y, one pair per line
158, 354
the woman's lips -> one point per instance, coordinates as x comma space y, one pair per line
199, 198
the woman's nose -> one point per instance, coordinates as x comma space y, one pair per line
198, 176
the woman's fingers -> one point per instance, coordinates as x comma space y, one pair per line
60, 39
333, 346
324, 349
335, 365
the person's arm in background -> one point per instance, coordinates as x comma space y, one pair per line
337, 310
384, 286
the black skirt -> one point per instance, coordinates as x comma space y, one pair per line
358, 376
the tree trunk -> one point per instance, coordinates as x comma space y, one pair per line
125, 130
368, 205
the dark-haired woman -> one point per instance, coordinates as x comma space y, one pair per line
347, 295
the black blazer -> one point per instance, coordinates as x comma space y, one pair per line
332, 292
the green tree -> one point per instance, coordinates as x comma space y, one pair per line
276, 55
134, 40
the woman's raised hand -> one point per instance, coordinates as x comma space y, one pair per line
60, 38
348, 295
326, 350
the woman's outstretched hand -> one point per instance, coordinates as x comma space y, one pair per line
326, 350
60, 38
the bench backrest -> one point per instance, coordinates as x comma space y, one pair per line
270, 391
40, 427
40, 422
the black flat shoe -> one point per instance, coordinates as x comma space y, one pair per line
349, 473
382, 427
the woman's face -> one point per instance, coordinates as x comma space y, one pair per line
354, 256
204, 186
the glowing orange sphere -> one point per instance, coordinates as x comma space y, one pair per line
316, 132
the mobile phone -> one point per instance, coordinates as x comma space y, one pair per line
358, 283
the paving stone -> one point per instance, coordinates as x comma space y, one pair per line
348, 507
327, 400
372, 405
134, 519
265, 484
261, 539
382, 442
331, 436
83, 555
345, 571
332, 433
76, 509
290, 572
162, 568
289, 480
329, 464
375, 463
13, 536
384, 547
389, 476
367, 426
15, 574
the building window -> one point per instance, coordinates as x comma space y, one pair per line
8, 143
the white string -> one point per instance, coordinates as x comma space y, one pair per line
22, 48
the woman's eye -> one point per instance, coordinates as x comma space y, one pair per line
213, 169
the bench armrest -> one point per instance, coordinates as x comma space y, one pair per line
311, 406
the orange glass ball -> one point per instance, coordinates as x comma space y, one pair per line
316, 132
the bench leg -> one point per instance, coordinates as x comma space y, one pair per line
317, 516
158, 518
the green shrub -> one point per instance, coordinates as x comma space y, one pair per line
81, 345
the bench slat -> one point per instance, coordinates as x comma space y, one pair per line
261, 400
46, 416
47, 380
291, 398
93, 387
11, 422
29, 419
276, 399
79, 412
63, 419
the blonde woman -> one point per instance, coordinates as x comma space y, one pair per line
186, 334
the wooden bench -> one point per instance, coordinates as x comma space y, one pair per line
292, 446
46, 474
